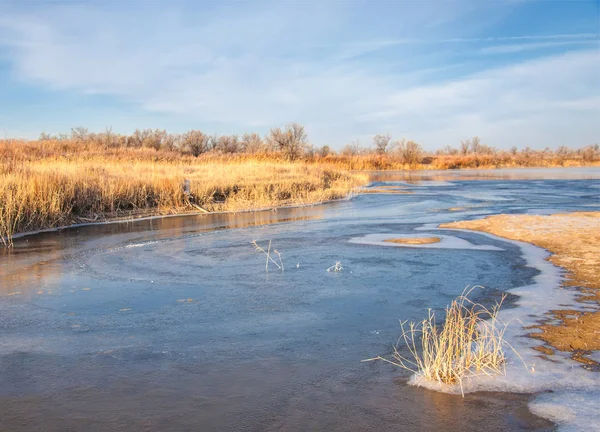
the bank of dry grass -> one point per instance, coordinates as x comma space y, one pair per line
52, 185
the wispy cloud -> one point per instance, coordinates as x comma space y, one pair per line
516, 48
270, 65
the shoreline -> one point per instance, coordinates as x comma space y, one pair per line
573, 242
562, 390
154, 213
120, 220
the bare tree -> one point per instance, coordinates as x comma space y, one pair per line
353, 149
138, 137
212, 142
590, 153
79, 134
324, 151
382, 143
195, 141
251, 143
108, 138
291, 141
448, 150
155, 139
465, 147
228, 144
171, 142
410, 152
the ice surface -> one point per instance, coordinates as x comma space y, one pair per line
446, 242
571, 410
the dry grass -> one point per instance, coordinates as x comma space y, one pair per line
469, 342
51, 185
414, 240
443, 162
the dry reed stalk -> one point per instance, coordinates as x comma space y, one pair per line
268, 255
469, 342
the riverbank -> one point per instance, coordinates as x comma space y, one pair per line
55, 192
574, 241
49, 184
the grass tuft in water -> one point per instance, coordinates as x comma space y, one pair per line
469, 342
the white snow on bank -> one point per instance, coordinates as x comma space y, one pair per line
571, 410
574, 403
446, 242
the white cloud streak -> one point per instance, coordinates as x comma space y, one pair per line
260, 69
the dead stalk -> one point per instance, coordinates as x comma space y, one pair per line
268, 255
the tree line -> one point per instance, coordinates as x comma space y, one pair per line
291, 141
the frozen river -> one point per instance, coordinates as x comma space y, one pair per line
174, 325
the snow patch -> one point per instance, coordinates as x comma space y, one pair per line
446, 242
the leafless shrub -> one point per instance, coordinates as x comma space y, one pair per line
562, 153
355, 148
195, 142
291, 141
80, 134
228, 144
382, 143
465, 147
590, 153
252, 143
410, 152
324, 151
448, 151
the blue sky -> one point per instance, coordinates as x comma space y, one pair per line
514, 72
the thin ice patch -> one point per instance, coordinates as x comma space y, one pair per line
446, 242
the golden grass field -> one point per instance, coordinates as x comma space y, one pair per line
48, 188
58, 182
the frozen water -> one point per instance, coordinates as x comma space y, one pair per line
167, 324
446, 242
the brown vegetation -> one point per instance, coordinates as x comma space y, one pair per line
574, 241
83, 176
414, 240
470, 341
56, 183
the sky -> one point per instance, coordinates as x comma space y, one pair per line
513, 72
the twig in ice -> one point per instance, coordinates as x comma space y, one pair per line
336, 268
268, 255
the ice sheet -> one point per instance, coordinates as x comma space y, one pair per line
446, 242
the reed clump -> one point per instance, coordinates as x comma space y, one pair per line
469, 342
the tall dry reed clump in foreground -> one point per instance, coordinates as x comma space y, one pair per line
52, 185
469, 342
